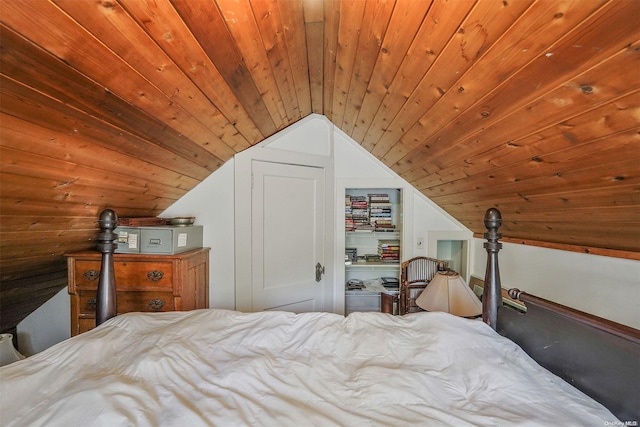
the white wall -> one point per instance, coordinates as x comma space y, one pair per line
607, 287
48, 325
602, 286
211, 202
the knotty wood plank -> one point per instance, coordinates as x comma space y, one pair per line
314, 35
621, 194
28, 105
32, 188
372, 32
314, 32
204, 20
527, 39
546, 73
617, 214
22, 223
550, 175
613, 78
331, 29
52, 245
113, 26
72, 148
405, 21
29, 164
12, 271
351, 14
14, 242
623, 236
479, 31
243, 30
164, 25
271, 29
571, 248
24, 62
21, 290
611, 118
505, 161
34, 291
56, 32
439, 25
22, 206
293, 33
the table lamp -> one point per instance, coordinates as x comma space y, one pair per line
448, 292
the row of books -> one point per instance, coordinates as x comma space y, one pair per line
373, 212
389, 251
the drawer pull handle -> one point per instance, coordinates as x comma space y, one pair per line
92, 304
155, 275
156, 304
91, 275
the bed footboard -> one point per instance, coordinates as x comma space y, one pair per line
595, 355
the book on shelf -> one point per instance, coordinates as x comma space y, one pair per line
372, 258
351, 254
379, 197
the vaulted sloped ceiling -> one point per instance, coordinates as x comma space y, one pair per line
530, 106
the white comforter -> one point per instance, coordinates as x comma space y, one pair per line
224, 368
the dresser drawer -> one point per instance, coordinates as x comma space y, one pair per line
144, 283
129, 301
86, 274
129, 275
85, 324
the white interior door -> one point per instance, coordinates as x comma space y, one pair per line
287, 237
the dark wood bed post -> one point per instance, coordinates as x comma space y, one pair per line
492, 294
106, 298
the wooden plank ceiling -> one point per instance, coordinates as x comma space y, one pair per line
530, 106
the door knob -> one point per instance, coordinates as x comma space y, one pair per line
319, 272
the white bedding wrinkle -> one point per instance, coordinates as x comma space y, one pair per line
226, 368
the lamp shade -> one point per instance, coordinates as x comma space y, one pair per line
8, 353
448, 292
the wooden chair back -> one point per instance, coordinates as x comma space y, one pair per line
415, 276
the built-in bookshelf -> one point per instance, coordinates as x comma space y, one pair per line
373, 230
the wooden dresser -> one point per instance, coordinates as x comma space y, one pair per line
144, 282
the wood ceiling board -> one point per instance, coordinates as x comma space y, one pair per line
375, 22
74, 150
405, 22
562, 104
164, 25
546, 73
41, 23
474, 37
442, 21
113, 26
351, 15
619, 148
26, 164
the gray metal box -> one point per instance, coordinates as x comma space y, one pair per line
167, 240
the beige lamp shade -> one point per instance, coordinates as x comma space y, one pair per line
448, 292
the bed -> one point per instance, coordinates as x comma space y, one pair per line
226, 368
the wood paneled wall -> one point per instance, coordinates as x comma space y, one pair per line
532, 106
